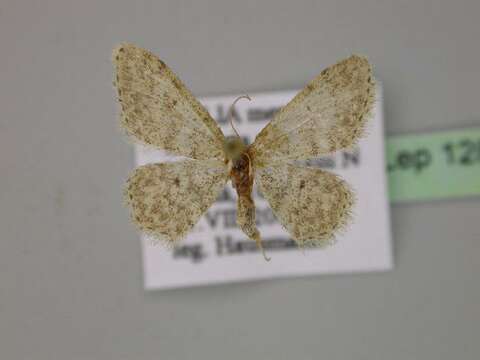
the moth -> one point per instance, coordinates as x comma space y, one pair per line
167, 199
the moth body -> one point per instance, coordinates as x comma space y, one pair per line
242, 176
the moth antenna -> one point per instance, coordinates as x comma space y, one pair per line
230, 111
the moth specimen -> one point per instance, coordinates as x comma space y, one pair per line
168, 199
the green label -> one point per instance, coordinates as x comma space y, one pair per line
434, 166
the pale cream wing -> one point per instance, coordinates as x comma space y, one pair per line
328, 115
158, 110
168, 199
312, 204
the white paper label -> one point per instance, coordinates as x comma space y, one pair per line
217, 251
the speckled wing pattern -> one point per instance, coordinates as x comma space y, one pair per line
312, 204
168, 199
158, 110
328, 115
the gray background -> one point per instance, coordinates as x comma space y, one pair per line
70, 261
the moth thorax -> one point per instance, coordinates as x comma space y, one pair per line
234, 147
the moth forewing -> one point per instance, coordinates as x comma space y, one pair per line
327, 115
159, 111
